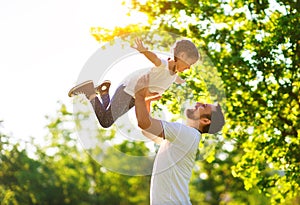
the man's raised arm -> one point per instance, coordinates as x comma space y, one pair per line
145, 121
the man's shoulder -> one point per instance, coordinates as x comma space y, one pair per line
179, 127
180, 134
176, 124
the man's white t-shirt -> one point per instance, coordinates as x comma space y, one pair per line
160, 79
173, 165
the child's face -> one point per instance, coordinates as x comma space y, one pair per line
184, 63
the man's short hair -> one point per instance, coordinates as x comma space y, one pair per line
217, 120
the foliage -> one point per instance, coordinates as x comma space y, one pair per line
254, 45
251, 64
61, 172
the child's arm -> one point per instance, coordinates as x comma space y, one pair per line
150, 55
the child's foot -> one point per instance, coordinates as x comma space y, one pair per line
103, 89
86, 88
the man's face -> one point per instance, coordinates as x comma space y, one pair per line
200, 110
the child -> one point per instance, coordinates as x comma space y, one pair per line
161, 77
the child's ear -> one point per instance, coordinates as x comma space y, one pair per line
182, 55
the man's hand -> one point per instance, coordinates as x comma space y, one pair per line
142, 91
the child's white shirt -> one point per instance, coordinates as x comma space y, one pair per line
160, 79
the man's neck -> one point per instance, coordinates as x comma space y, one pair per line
193, 124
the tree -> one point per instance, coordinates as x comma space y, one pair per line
254, 45
61, 172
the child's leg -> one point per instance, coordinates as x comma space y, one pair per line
105, 100
99, 109
121, 103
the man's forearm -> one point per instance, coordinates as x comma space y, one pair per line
142, 112
145, 121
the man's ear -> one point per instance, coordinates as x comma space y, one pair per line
205, 121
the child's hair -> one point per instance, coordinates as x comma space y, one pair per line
187, 47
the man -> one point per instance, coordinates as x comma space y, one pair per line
176, 156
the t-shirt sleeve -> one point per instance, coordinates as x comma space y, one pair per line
179, 134
163, 65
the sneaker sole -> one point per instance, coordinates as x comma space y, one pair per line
71, 92
106, 83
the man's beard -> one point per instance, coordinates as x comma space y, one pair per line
190, 114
